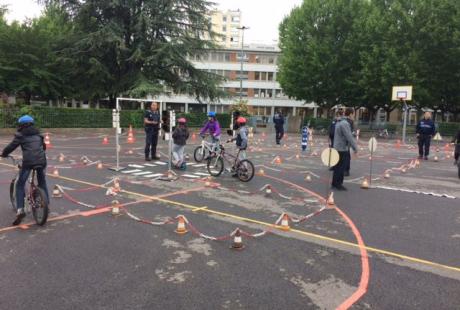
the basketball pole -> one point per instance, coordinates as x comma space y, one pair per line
405, 120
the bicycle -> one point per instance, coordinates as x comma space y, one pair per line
204, 150
244, 169
37, 202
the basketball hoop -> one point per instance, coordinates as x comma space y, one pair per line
401, 95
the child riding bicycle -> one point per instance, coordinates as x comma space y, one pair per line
180, 136
33, 157
241, 139
212, 127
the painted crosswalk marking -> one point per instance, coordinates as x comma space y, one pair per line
131, 171
191, 176
202, 173
136, 166
155, 175
150, 165
161, 163
142, 173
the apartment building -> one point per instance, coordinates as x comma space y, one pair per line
226, 24
258, 80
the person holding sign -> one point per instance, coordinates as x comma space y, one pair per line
425, 131
152, 126
343, 140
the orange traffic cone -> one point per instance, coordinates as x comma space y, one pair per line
436, 158
268, 190
131, 135
48, 141
100, 165
237, 240
56, 192
277, 160
330, 200
387, 174
61, 157
193, 136
56, 172
261, 171
105, 140
308, 177
365, 184
398, 144
116, 185
285, 222
404, 170
115, 207
181, 225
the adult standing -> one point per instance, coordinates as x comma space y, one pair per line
338, 116
278, 120
353, 132
152, 127
343, 140
425, 131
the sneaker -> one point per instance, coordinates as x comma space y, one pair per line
19, 217
339, 188
156, 158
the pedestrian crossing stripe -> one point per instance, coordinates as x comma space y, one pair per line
142, 173
136, 166
191, 176
199, 165
155, 175
161, 163
202, 173
150, 165
131, 171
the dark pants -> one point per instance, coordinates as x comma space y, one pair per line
339, 169
279, 134
348, 163
151, 141
424, 145
457, 152
22, 179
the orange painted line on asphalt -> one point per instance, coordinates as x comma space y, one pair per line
94, 212
365, 273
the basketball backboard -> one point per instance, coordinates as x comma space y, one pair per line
402, 93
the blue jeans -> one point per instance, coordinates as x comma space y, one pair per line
22, 179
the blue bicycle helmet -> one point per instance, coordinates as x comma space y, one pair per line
211, 114
25, 119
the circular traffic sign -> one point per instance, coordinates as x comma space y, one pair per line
330, 157
372, 144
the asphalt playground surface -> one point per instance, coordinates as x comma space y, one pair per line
393, 246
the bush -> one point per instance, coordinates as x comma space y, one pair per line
318, 123
198, 119
448, 129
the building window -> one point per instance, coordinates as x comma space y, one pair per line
271, 60
227, 57
224, 19
224, 28
263, 76
257, 76
270, 76
235, 19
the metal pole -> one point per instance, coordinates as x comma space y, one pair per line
405, 121
170, 140
372, 158
242, 53
117, 130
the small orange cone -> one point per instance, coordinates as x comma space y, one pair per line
105, 141
268, 190
398, 144
56, 192
131, 135
387, 174
404, 170
308, 177
61, 157
285, 222
193, 136
297, 156
330, 200
365, 184
115, 207
263, 134
56, 172
237, 240
48, 141
116, 185
436, 158
278, 160
261, 171
100, 165
181, 225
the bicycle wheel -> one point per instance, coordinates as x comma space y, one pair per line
215, 166
39, 206
245, 170
199, 154
13, 194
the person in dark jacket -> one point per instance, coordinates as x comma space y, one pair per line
353, 132
278, 120
152, 122
456, 141
180, 136
425, 131
33, 157
338, 116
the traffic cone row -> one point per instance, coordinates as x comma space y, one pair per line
131, 135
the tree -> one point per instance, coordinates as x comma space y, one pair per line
138, 47
320, 59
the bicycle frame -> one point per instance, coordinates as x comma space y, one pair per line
32, 186
229, 157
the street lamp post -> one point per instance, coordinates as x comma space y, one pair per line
243, 28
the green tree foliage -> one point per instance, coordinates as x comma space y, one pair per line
353, 52
138, 47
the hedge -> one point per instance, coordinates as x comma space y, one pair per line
48, 117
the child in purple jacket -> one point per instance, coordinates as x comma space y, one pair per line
212, 126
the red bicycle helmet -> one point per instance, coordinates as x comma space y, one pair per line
241, 120
182, 120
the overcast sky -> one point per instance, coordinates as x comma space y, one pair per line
262, 16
